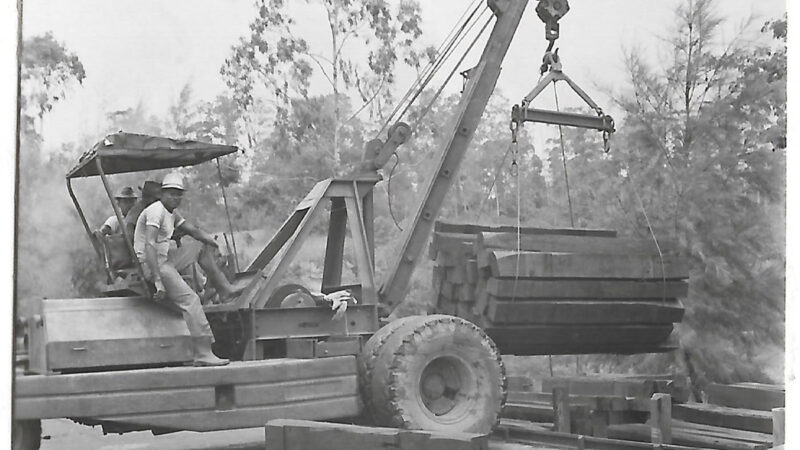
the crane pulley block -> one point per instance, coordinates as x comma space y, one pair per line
550, 12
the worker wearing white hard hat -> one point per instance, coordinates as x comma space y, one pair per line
162, 265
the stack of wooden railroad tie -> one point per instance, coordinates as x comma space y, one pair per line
539, 291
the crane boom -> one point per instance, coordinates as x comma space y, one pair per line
470, 109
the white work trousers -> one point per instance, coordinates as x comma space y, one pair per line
179, 293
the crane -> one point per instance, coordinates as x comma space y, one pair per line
432, 372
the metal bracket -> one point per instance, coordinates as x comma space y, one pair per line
522, 113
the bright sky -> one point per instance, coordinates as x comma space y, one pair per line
147, 50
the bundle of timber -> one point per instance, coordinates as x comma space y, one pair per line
651, 409
539, 291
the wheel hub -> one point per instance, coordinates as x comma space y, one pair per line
441, 385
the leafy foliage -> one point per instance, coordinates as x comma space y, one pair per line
277, 61
48, 70
701, 160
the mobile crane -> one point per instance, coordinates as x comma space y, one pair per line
431, 372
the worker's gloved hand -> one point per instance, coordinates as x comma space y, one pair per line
339, 301
161, 293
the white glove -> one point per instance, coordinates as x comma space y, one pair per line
339, 301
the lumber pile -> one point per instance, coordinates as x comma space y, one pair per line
288, 434
652, 409
540, 291
740, 406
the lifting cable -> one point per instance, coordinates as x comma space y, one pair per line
419, 86
460, 38
652, 235
442, 53
494, 180
228, 215
389, 191
564, 160
428, 107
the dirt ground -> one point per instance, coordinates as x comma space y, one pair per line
62, 434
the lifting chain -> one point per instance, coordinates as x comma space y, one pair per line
514, 126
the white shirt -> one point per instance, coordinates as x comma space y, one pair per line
112, 223
156, 215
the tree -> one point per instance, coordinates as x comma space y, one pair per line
273, 58
700, 158
48, 71
44, 258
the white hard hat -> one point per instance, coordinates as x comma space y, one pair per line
172, 180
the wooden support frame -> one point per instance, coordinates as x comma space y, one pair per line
351, 209
351, 205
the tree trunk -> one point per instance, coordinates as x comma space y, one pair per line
333, 19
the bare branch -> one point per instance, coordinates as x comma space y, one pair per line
370, 100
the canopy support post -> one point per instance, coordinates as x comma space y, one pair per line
117, 212
83, 218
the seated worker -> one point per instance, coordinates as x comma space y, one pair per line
151, 190
125, 199
161, 265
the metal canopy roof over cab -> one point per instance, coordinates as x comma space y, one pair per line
128, 152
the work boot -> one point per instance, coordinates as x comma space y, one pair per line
225, 289
203, 356
230, 291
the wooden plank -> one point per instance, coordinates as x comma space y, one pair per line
641, 433
532, 412
466, 293
454, 227
583, 348
447, 290
536, 433
601, 386
598, 402
212, 420
93, 405
456, 244
306, 435
723, 416
599, 424
447, 307
728, 433
584, 312
661, 419
561, 412
748, 396
575, 289
448, 259
779, 425
676, 385
566, 265
457, 274
584, 339
472, 272
519, 383
575, 244
289, 392
273, 370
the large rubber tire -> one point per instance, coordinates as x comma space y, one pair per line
438, 373
26, 435
369, 355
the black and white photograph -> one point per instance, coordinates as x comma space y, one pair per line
406, 224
